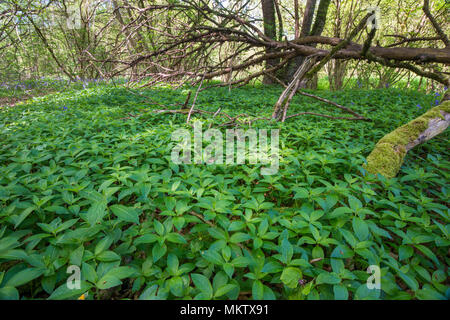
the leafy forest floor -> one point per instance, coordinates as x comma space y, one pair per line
86, 179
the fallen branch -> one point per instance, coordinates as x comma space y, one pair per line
186, 111
348, 110
321, 115
388, 155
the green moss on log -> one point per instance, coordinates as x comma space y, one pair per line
387, 156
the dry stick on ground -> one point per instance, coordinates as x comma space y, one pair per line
321, 115
233, 120
217, 112
195, 99
186, 111
214, 115
357, 115
202, 218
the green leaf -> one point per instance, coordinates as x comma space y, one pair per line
236, 225
341, 211
217, 234
301, 193
176, 238
121, 272
23, 277
290, 277
224, 290
146, 238
272, 267
108, 256
202, 283
159, 228
239, 237
158, 252
257, 290
340, 292
213, 257
364, 293
88, 272
150, 293
354, 203
328, 278
25, 213
361, 228
176, 286
108, 281
286, 251
410, 281
95, 213
9, 293
76, 256
172, 263
429, 293
64, 293
405, 252
126, 214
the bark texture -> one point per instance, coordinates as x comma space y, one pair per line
388, 155
268, 9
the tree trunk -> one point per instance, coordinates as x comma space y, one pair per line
388, 155
312, 30
268, 9
295, 63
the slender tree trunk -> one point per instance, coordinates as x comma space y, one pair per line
308, 28
268, 9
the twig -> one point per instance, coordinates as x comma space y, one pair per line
202, 218
340, 46
214, 115
187, 100
217, 112
323, 115
195, 99
334, 104
437, 27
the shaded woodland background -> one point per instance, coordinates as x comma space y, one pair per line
232, 41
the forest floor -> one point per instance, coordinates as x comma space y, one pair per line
87, 180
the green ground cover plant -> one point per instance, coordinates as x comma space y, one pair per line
86, 179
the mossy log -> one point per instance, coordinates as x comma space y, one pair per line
388, 155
